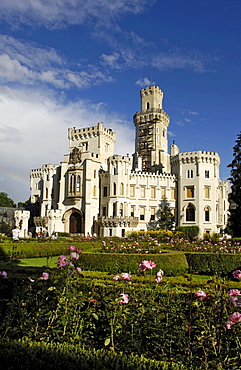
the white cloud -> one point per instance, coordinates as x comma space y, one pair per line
187, 120
144, 82
28, 64
55, 14
33, 131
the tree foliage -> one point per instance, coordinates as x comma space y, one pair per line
5, 201
164, 218
234, 221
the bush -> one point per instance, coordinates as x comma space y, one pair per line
188, 232
171, 263
27, 355
213, 263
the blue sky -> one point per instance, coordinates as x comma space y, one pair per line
74, 63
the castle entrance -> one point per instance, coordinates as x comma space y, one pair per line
75, 223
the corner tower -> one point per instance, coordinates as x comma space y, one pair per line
151, 146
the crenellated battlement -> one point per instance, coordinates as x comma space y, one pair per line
89, 132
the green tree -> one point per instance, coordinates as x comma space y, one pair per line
164, 218
234, 221
5, 201
24, 204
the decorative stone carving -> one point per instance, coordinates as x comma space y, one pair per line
75, 156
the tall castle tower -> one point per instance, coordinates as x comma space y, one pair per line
151, 146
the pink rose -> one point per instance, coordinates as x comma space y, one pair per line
146, 265
125, 298
74, 256
235, 318
233, 300
116, 277
71, 248
45, 276
78, 250
62, 261
227, 325
236, 274
78, 270
126, 276
159, 276
234, 292
200, 294
4, 274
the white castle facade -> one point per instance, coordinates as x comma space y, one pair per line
93, 190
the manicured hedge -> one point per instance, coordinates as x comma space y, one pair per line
39, 355
213, 263
171, 263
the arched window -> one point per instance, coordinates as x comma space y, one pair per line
114, 188
190, 212
47, 192
207, 214
122, 189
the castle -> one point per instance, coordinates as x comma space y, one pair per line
93, 190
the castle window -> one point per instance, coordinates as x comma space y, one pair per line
142, 190
114, 188
189, 174
78, 184
94, 191
105, 188
94, 174
206, 192
142, 213
104, 211
122, 189
153, 192
147, 105
132, 191
114, 209
207, 214
163, 193
153, 212
190, 191
206, 174
121, 209
190, 212
47, 192
173, 193
132, 211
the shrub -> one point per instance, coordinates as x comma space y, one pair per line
188, 232
28, 355
213, 263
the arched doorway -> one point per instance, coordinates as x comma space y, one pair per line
75, 223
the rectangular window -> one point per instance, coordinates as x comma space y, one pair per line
132, 211
173, 193
163, 193
132, 191
142, 191
153, 192
190, 191
206, 174
142, 214
105, 188
207, 192
104, 211
153, 212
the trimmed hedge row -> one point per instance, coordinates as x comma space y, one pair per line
211, 263
171, 263
39, 355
